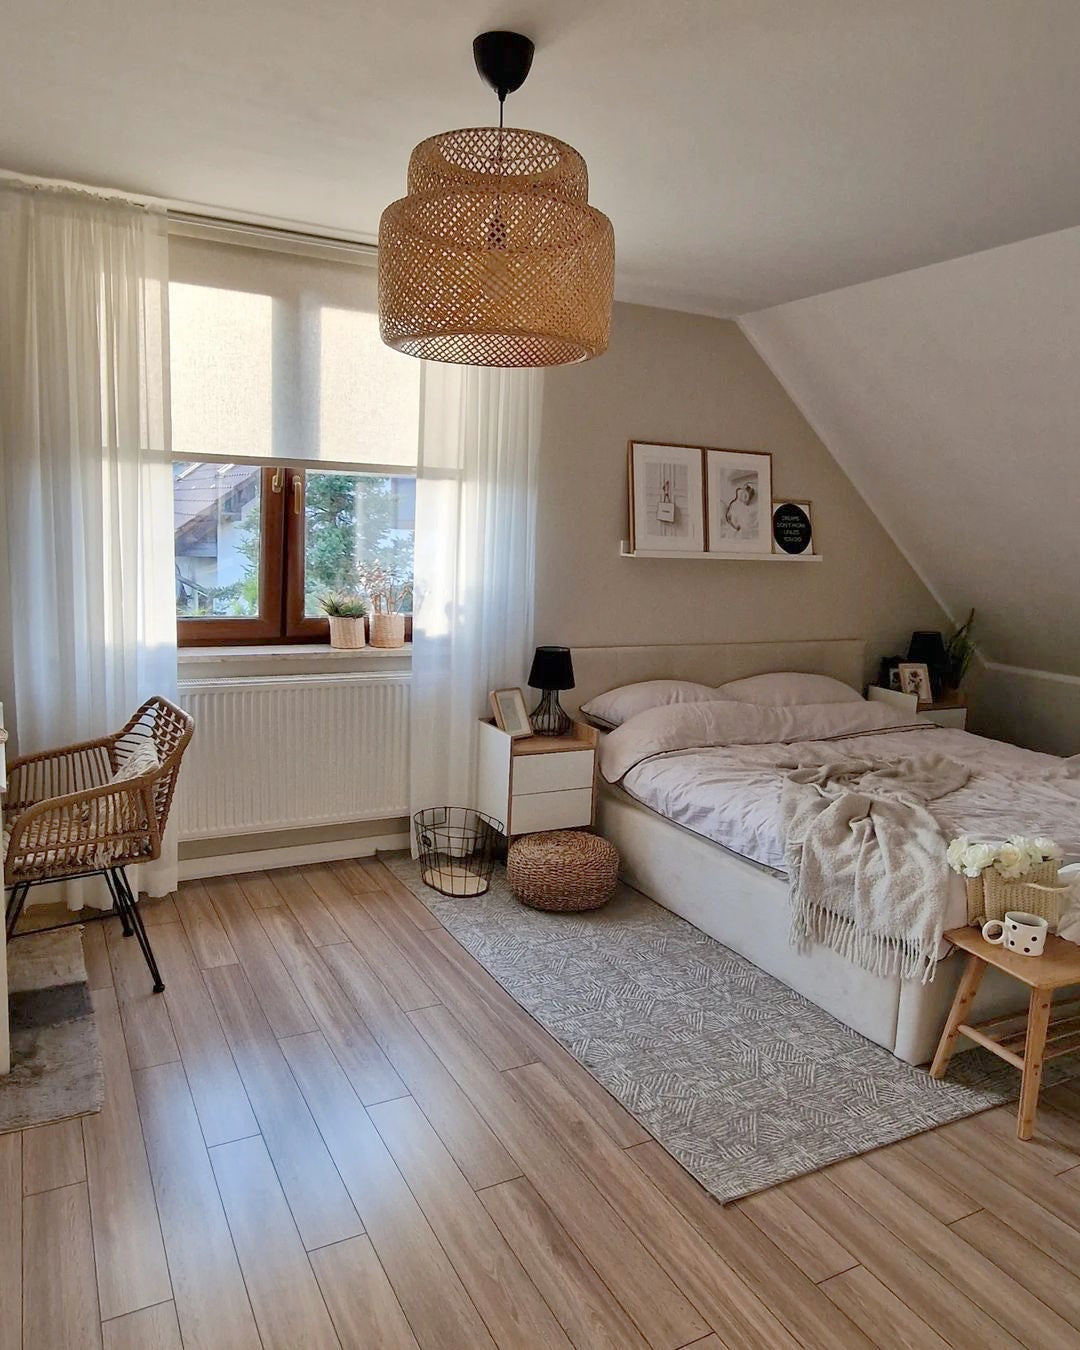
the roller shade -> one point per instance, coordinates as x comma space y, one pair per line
276, 355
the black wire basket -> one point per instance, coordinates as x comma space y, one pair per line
456, 849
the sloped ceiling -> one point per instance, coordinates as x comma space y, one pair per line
749, 152
951, 397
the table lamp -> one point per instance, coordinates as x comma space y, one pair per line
552, 670
929, 649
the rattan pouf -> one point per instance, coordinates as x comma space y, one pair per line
563, 870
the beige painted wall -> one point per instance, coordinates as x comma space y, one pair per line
683, 378
1033, 708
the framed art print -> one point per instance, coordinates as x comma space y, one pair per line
508, 709
915, 679
792, 527
667, 509
738, 490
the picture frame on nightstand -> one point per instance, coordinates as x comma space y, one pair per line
511, 715
915, 679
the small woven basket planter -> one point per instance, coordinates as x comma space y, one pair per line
387, 630
989, 895
563, 870
456, 848
346, 632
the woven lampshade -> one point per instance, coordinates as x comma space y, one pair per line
495, 257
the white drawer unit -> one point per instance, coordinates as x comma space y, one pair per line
537, 782
552, 773
532, 811
951, 714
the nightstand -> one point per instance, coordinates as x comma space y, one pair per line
947, 712
537, 782
1025, 1045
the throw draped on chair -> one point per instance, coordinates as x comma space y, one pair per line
93, 809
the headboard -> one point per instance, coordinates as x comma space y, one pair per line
597, 669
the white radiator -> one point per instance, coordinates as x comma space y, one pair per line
284, 752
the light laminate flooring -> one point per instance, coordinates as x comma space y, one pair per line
335, 1129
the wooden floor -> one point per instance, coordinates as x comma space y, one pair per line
334, 1128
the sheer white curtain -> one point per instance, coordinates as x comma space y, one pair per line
87, 605
475, 547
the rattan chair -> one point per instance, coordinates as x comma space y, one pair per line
66, 817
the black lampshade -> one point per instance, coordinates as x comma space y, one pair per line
552, 669
929, 648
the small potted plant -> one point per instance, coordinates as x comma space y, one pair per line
959, 654
389, 588
346, 614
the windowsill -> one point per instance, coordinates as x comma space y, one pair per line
292, 651
287, 659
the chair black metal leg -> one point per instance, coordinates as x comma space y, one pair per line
119, 905
123, 889
15, 903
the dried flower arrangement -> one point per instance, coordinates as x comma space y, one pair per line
388, 587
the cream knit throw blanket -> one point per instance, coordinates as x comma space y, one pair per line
866, 859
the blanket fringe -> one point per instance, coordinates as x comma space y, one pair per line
878, 953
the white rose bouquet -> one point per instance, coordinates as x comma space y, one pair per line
1012, 859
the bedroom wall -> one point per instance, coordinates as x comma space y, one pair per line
1035, 708
949, 395
686, 379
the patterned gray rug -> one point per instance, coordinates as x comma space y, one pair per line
56, 1067
742, 1080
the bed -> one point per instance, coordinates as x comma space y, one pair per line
710, 853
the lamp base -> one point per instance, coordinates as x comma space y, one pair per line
548, 717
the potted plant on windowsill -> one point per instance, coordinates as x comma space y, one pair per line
346, 614
389, 588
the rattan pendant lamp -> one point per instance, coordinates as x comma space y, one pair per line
495, 257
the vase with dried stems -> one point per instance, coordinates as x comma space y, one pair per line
346, 614
389, 589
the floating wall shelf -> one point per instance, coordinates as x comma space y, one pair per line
627, 552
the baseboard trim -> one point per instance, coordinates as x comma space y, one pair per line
266, 859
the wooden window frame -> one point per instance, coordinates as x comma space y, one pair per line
266, 626
281, 619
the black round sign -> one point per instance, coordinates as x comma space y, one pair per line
791, 528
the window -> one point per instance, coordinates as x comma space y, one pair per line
275, 366
256, 548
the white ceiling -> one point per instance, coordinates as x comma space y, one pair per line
748, 151
950, 397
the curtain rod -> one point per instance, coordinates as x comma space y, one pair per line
282, 233
197, 214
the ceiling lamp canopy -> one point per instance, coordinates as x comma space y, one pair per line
495, 257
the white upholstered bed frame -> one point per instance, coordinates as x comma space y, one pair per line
745, 906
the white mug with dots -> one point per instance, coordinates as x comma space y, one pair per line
1022, 933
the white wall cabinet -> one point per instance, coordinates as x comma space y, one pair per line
952, 714
537, 782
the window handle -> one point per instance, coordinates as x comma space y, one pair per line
278, 480
298, 493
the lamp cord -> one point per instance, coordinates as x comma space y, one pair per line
500, 168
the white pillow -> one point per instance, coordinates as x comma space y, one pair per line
619, 705
785, 687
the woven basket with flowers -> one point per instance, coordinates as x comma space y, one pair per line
1020, 873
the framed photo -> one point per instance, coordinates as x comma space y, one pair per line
667, 500
915, 679
792, 529
738, 491
889, 673
510, 713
